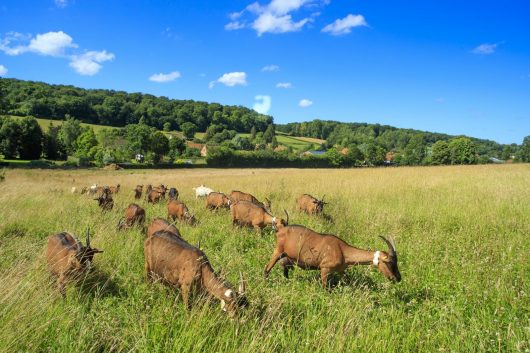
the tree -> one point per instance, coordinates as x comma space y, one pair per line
9, 137
269, 134
242, 143
159, 146
167, 126
440, 153
188, 129
252, 133
463, 151
415, 150
30, 138
374, 154
70, 131
138, 138
177, 146
85, 142
523, 154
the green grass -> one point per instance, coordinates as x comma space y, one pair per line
45, 123
461, 232
300, 144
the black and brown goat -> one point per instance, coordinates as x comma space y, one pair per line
301, 246
217, 200
179, 210
177, 263
134, 215
159, 224
310, 204
173, 194
68, 258
105, 201
138, 192
245, 213
236, 196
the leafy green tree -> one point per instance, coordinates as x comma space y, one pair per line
138, 138
70, 131
354, 155
242, 143
252, 133
188, 129
167, 126
523, 154
440, 153
415, 150
374, 154
463, 151
85, 142
177, 146
9, 137
334, 157
30, 139
268, 135
159, 146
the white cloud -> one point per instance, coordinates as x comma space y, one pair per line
231, 79
485, 49
88, 64
235, 25
3, 70
270, 68
262, 104
344, 25
161, 78
61, 3
304, 103
284, 85
55, 44
275, 17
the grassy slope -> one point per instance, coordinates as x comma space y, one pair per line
462, 237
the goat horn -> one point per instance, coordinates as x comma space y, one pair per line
241, 284
88, 237
391, 247
287, 214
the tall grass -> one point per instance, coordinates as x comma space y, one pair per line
462, 235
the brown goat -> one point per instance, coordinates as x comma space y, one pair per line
114, 189
301, 246
179, 210
236, 196
177, 263
310, 204
216, 200
159, 224
105, 201
161, 189
154, 196
138, 192
249, 214
134, 214
67, 257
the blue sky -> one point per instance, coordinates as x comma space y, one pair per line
455, 67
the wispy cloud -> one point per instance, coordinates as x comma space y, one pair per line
274, 17
284, 85
3, 70
304, 103
270, 68
231, 79
162, 78
344, 25
61, 3
55, 44
485, 49
262, 104
89, 63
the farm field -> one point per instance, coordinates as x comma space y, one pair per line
462, 234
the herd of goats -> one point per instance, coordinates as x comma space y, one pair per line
174, 261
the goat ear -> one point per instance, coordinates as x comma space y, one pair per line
384, 257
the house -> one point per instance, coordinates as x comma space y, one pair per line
313, 153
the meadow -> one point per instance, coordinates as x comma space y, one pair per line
462, 235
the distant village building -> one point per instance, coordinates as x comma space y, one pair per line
313, 153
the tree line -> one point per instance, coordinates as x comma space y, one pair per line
117, 108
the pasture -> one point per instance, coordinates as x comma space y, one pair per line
462, 234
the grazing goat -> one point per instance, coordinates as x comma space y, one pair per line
114, 189
154, 196
202, 191
84, 190
177, 263
161, 189
251, 215
310, 204
173, 194
105, 200
134, 214
67, 257
236, 196
138, 192
93, 189
159, 224
177, 209
301, 246
216, 200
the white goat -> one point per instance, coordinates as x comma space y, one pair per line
202, 191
